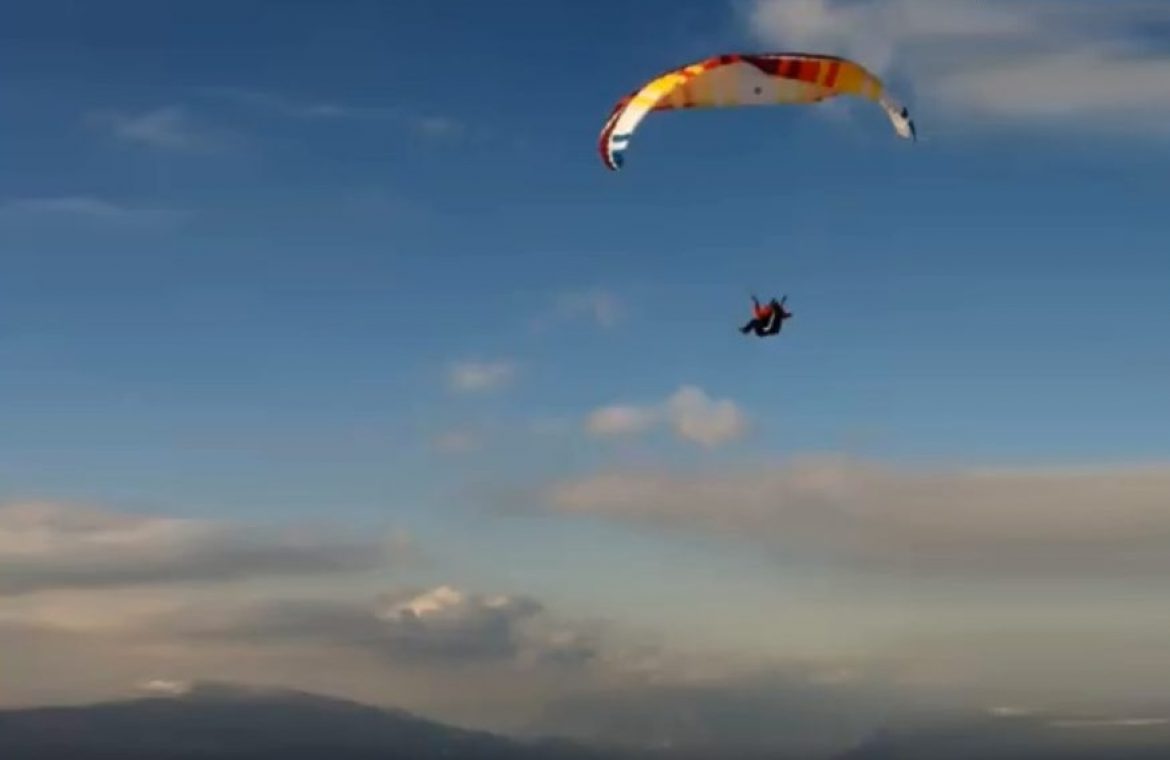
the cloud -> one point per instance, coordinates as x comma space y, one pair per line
169, 128
1084, 84
447, 623
455, 442
621, 420
1109, 722
1009, 711
690, 413
548, 427
79, 207
509, 662
311, 110
429, 126
438, 626
593, 307
1109, 522
773, 709
476, 377
51, 546
437, 127
601, 306
164, 687
701, 419
1073, 63
498, 661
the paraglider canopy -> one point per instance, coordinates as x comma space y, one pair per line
738, 79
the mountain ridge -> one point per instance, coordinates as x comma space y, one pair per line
226, 721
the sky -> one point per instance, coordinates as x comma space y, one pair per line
332, 356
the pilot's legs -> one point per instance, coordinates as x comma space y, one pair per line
757, 326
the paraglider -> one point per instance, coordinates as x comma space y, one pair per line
743, 79
738, 79
767, 320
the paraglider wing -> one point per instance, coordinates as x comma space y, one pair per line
745, 80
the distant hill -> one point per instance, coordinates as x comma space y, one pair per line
224, 722
229, 723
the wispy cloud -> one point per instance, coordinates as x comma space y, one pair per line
281, 105
1076, 63
437, 127
164, 687
430, 126
546, 427
601, 306
1109, 722
591, 307
1076, 522
1021, 737
80, 207
478, 377
621, 420
455, 442
690, 413
789, 711
52, 546
169, 128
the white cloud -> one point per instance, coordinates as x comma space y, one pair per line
1087, 83
701, 419
1076, 63
1009, 711
454, 624
690, 413
473, 377
431, 603
621, 420
169, 127
439, 625
164, 687
981, 522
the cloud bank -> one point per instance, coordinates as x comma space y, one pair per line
1111, 522
439, 627
51, 546
109, 606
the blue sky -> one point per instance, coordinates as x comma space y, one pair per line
244, 250
315, 276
